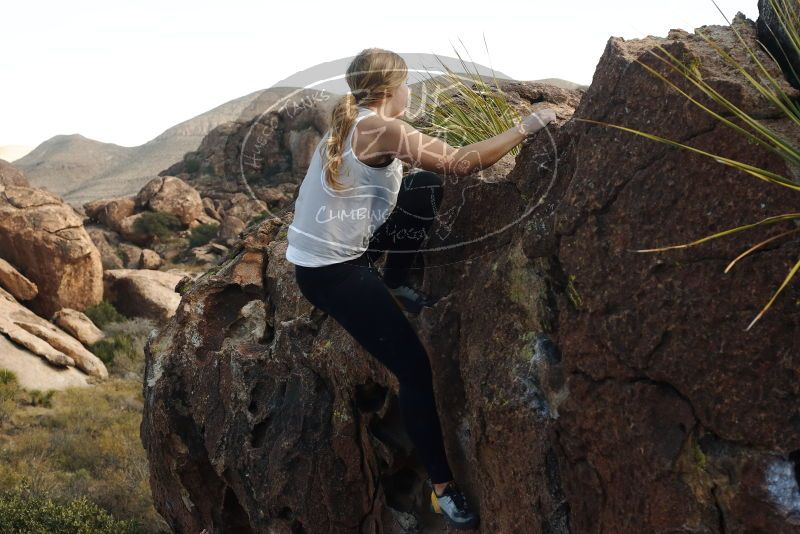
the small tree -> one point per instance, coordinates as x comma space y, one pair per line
156, 224
202, 234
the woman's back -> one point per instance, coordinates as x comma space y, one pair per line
332, 226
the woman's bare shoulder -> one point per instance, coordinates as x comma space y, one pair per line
388, 130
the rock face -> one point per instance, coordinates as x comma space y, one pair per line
107, 243
78, 325
45, 339
45, 240
111, 212
15, 283
168, 194
143, 292
598, 389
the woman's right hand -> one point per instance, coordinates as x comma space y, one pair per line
536, 121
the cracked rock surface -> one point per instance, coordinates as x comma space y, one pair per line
44, 239
597, 389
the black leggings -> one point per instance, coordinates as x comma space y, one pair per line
353, 293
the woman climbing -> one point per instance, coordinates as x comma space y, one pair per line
355, 204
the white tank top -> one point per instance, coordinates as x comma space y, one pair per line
333, 226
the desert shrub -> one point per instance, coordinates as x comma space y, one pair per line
122, 350
86, 445
37, 397
158, 225
202, 234
30, 514
191, 164
107, 348
103, 313
9, 389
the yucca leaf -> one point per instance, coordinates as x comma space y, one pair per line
769, 220
758, 246
716, 115
777, 144
775, 295
784, 148
755, 171
467, 109
777, 97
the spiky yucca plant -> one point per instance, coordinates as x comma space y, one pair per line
788, 14
464, 109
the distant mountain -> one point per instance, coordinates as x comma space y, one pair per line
81, 169
64, 162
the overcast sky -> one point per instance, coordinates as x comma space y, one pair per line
124, 71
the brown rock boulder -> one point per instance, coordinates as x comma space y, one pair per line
110, 212
129, 232
34, 372
131, 255
106, 242
676, 418
78, 325
596, 389
45, 240
230, 229
301, 145
143, 292
45, 339
15, 283
203, 219
169, 194
211, 209
150, 259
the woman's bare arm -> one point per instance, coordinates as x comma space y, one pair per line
434, 154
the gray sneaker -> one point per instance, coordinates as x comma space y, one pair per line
453, 505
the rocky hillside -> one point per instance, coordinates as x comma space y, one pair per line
81, 169
597, 389
56, 263
49, 271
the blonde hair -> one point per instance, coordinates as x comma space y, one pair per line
372, 74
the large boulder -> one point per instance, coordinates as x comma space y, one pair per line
45, 240
128, 229
107, 243
78, 325
168, 194
143, 292
301, 145
110, 212
15, 282
131, 255
671, 417
150, 259
45, 339
32, 371
595, 388
230, 229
